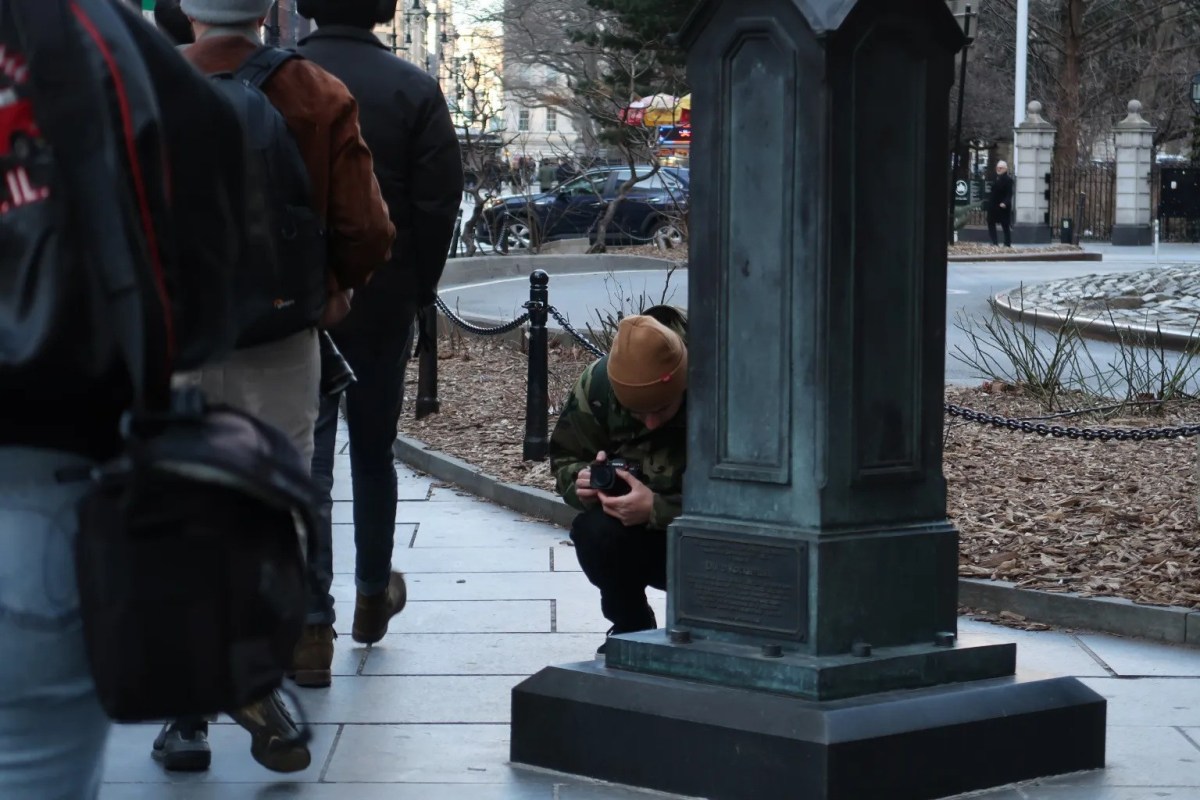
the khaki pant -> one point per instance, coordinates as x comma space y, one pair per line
279, 383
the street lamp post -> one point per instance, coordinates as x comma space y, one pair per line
962, 98
1021, 76
1196, 93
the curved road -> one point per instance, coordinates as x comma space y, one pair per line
968, 288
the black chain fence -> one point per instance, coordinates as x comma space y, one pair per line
1060, 432
538, 310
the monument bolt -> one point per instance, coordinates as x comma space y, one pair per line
860, 649
944, 639
772, 651
679, 636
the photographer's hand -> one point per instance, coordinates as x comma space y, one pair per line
583, 481
630, 509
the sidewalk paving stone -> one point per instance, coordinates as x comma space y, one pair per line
423, 699
1150, 702
518, 654
432, 754
1130, 658
423, 714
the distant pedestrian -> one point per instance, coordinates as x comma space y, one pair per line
1000, 205
546, 175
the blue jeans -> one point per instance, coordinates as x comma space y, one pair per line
377, 347
52, 729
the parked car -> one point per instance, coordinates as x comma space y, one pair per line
651, 210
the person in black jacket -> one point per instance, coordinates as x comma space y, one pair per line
1000, 205
406, 124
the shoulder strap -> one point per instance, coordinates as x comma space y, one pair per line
259, 67
599, 388
73, 115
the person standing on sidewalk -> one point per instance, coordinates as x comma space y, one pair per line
406, 123
1000, 205
629, 405
278, 381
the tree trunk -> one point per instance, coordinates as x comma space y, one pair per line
1066, 154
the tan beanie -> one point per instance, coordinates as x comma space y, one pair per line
647, 365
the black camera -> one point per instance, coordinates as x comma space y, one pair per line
336, 375
605, 478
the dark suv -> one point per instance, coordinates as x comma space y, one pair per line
654, 208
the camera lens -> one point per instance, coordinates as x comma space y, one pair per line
603, 477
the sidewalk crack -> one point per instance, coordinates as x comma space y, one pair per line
1112, 672
553, 615
552, 559
337, 737
1193, 742
413, 541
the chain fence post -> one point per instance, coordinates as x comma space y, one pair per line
537, 398
427, 364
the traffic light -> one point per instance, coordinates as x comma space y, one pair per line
1049, 178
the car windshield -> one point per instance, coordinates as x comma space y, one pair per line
592, 183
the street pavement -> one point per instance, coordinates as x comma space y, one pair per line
969, 286
493, 597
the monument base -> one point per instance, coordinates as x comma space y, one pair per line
733, 744
1030, 233
778, 668
1132, 235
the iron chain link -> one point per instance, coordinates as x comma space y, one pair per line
1060, 432
583, 341
475, 329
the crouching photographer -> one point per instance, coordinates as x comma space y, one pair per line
618, 454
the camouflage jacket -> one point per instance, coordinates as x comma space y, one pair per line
592, 420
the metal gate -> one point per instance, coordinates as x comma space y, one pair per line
1087, 195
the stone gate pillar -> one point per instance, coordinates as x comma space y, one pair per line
1135, 153
1034, 140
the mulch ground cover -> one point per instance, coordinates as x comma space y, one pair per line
1102, 519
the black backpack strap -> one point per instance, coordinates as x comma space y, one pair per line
259, 67
72, 113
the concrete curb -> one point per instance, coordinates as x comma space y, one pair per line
1101, 614
1091, 327
523, 499
1018, 257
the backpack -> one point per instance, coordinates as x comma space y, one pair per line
189, 555
281, 284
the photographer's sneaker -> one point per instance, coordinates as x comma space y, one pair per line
373, 612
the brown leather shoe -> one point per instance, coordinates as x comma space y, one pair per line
372, 612
313, 657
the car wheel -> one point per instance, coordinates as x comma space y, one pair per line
515, 234
666, 235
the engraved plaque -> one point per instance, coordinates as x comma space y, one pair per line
740, 583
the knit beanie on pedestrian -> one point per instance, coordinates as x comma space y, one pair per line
647, 365
225, 12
